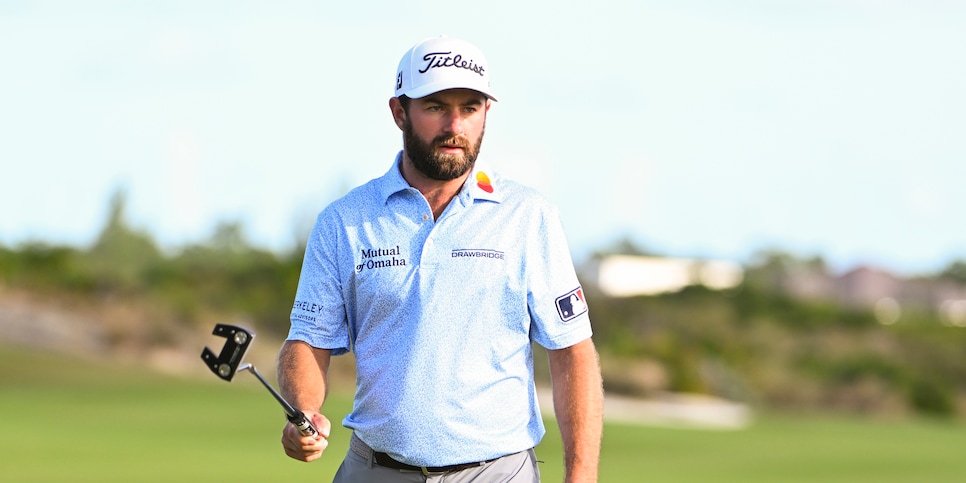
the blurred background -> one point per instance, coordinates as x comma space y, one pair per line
761, 196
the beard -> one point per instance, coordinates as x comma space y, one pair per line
436, 165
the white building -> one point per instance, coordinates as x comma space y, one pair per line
628, 275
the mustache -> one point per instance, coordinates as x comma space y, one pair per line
451, 141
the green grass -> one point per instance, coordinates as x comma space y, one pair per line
75, 420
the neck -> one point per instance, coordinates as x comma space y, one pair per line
438, 193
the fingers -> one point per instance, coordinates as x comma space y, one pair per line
306, 448
302, 448
321, 423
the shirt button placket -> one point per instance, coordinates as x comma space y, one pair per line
429, 253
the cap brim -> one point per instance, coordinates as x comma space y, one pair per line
425, 90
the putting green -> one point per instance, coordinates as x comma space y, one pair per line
71, 420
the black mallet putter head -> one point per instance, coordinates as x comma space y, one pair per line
226, 364
229, 362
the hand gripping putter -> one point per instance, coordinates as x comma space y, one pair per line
226, 364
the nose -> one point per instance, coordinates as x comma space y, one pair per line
454, 123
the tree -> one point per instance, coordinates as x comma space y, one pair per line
121, 255
623, 246
955, 271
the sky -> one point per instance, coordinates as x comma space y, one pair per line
695, 128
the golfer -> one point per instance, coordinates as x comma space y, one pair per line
439, 275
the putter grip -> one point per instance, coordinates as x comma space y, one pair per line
303, 424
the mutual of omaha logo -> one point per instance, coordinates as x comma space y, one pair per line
375, 258
571, 304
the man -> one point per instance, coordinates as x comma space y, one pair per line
438, 275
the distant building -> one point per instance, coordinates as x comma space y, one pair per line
628, 275
865, 286
886, 294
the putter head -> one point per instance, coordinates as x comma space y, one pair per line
237, 341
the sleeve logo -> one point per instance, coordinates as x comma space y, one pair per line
571, 304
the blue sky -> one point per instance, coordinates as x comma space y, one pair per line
697, 128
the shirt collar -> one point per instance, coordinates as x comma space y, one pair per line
482, 184
393, 182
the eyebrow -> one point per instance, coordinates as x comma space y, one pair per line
478, 101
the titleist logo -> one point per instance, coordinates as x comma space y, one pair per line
443, 59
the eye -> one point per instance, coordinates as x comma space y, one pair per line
434, 108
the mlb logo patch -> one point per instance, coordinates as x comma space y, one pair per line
571, 304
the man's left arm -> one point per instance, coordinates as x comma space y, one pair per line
578, 401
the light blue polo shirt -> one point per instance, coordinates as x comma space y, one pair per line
441, 313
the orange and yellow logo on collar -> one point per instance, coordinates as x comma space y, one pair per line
483, 181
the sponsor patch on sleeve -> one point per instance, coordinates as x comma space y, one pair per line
571, 304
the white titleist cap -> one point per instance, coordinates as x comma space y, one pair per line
440, 63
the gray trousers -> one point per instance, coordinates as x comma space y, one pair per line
360, 467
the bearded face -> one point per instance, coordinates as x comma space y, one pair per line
431, 161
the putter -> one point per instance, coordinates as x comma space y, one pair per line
229, 362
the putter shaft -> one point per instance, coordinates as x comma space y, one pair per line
294, 416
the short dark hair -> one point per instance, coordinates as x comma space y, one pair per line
404, 100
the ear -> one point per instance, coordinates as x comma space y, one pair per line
398, 112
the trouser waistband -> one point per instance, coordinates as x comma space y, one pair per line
362, 449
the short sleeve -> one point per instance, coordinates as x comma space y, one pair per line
319, 313
558, 309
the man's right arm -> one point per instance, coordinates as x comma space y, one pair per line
302, 374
